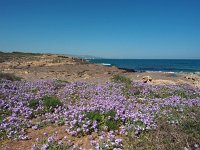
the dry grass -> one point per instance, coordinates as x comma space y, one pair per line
9, 76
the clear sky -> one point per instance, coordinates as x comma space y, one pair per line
105, 28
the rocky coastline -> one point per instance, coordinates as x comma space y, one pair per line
30, 66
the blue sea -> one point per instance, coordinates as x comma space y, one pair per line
153, 65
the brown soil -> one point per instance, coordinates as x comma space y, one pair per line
84, 142
59, 67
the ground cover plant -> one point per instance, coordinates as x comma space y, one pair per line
114, 115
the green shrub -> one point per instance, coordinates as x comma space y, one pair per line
121, 79
61, 122
160, 94
110, 113
192, 127
3, 134
104, 119
1, 119
94, 115
181, 94
194, 96
140, 124
51, 102
4, 113
137, 92
112, 124
126, 81
33, 103
62, 81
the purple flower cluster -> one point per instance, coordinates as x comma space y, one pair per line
136, 111
108, 141
14, 99
52, 142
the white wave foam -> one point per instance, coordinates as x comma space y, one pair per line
161, 71
105, 64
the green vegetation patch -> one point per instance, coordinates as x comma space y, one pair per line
4, 113
117, 78
104, 119
181, 93
121, 79
162, 93
191, 122
94, 115
166, 136
50, 103
34, 103
191, 127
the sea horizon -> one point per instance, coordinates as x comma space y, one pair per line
152, 65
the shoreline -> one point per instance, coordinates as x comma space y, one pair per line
153, 65
61, 67
147, 71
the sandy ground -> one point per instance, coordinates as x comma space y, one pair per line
59, 67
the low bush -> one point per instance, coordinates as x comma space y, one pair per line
33, 103
51, 102
121, 79
192, 127
94, 115
104, 119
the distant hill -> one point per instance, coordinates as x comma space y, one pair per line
29, 53
83, 56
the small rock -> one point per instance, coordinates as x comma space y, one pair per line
146, 79
86, 76
26, 72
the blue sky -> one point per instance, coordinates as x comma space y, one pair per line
105, 28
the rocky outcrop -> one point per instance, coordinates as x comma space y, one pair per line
48, 67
